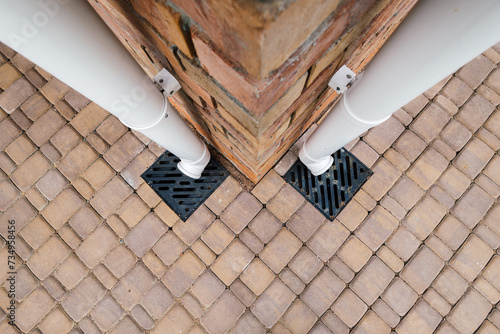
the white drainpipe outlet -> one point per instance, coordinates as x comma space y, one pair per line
436, 39
69, 40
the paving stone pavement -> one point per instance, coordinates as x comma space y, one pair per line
416, 251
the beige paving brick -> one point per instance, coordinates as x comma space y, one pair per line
248, 324
377, 228
475, 71
20, 149
207, 288
272, 304
62, 207
384, 177
399, 296
56, 321
183, 273
29, 283
365, 153
280, 250
223, 314
37, 232
30, 171
493, 79
125, 326
54, 90
109, 198
142, 317
97, 142
421, 319
349, 308
106, 313
16, 94
487, 290
341, 269
299, 318
487, 235
243, 293
223, 195
381, 137
457, 91
47, 257
422, 269
292, 281
444, 149
69, 236
471, 258
492, 219
9, 132
470, 312
422, 220
77, 160
169, 248
439, 247
89, 118
45, 126
33, 309
386, 313
285, 203
50, 152
76, 100
129, 290
265, 225
354, 253
111, 129
193, 227
65, 109
133, 210
437, 302
132, 172
492, 168
177, 320
54, 288
21, 212
203, 252
157, 300
493, 124
217, 236
9, 194
98, 174
70, 272
372, 322
35, 78
406, 192
19, 117
120, 260
51, 184
487, 184
354, 213
82, 298
251, 241
475, 198
123, 151
395, 158
390, 258
430, 122
94, 248
402, 116
268, 187
305, 222
393, 207
429, 166
473, 158
454, 182
328, 239
456, 135
475, 112
450, 285
88, 325
334, 323
104, 276
320, 294
372, 280
305, 265
8, 74
145, 234
416, 105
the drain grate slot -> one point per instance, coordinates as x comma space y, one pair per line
181, 193
331, 191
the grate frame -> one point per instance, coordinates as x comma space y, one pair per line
331, 191
181, 193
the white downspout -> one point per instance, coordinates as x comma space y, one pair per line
69, 40
436, 39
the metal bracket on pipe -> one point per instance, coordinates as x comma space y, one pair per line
342, 79
167, 82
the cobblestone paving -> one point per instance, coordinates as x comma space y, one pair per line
416, 251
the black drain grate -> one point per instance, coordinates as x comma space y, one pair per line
331, 191
182, 193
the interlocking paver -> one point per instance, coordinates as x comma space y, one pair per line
406, 192
232, 262
265, 225
30, 171
384, 177
470, 312
349, 308
223, 314
268, 187
457, 91
299, 318
399, 296
471, 258
322, 291
109, 198
106, 313
474, 72
62, 207
280, 250
81, 299
437, 302
85, 221
372, 280
475, 112
193, 227
257, 276
389, 258
48, 256
377, 228
123, 151
217, 236
45, 126
386, 313
119, 260
422, 269
305, 222
328, 239
487, 290
33, 309
285, 203
96, 246
428, 167
183, 273
207, 288
89, 118
56, 321
421, 319
474, 198
157, 300
473, 158
372, 322
334, 323
243, 293
70, 272
354, 253
192, 305
20, 149
292, 281
142, 317
16, 94
271, 305
381, 137
247, 324
305, 265
223, 195
177, 320
354, 213
422, 220
430, 122
129, 290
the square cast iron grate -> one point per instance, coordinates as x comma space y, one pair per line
182, 193
331, 191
